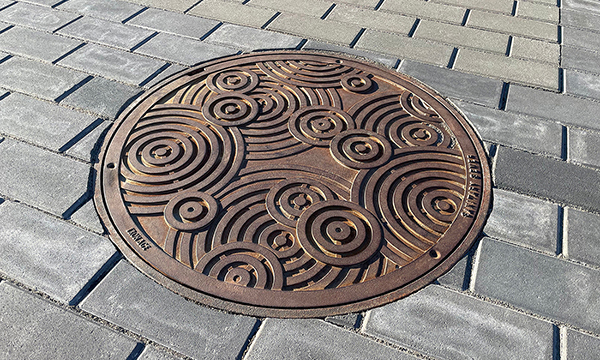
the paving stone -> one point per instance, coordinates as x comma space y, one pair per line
446, 324
249, 39
463, 36
508, 68
315, 8
582, 84
36, 44
580, 19
313, 339
104, 97
513, 25
172, 69
582, 38
177, 5
312, 27
535, 50
548, 178
88, 147
590, 6
582, 59
455, 84
584, 147
503, 6
87, 217
33, 328
129, 299
405, 47
182, 50
110, 10
40, 178
521, 131
112, 64
36, 17
349, 320
582, 236
371, 19
366, 3
457, 275
42, 2
47, 253
37, 78
523, 220
388, 61
540, 284
40, 122
563, 108
581, 346
422, 9
106, 32
153, 354
533, 10
178, 24
232, 13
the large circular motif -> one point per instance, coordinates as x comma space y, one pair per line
292, 184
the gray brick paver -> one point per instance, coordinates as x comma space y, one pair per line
40, 178
150, 353
462, 36
313, 339
584, 147
49, 254
580, 19
581, 59
224, 10
534, 10
249, 39
503, 6
165, 317
313, 27
535, 50
40, 122
176, 5
540, 284
36, 44
87, 148
87, 217
388, 61
589, 6
513, 25
582, 236
581, 38
316, 8
372, 19
105, 9
36, 17
33, 328
172, 69
422, 9
449, 325
582, 346
178, 24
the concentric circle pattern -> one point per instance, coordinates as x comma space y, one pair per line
292, 184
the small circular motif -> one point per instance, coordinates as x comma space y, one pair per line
356, 83
191, 210
317, 125
236, 79
230, 109
361, 149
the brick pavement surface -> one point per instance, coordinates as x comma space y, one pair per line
525, 73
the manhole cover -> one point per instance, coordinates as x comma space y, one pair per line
292, 184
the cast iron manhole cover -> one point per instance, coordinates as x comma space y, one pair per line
292, 184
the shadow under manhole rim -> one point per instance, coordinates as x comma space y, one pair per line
292, 184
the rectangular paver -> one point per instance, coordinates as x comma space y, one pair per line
297, 334
527, 72
36, 44
105, 9
580, 19
462, 36
513, 25
582, 241
503, 6
249, 39
563, 108
33, 328
223, 10
521, 131
40, 122
49, 254
581, 38
37, 78
87, 217
165, 73
548, 178
447, 325
581, 346
540, 284
171, 22
112, 64
313, 27
372, 19
523, 220
182, 50
36, 17
365, 3
316, 8
405, 47
456, 84
535, 50
129, 299
40, 178
534, 10
589, 6
581, 59
584, 147
422, 9
177, 5
106, 32
388, 61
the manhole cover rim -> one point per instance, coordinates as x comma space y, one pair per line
236, 307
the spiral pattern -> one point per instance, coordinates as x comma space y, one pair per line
339, 233
306, 73
357, 83
317, 125
191, 210
230, 109
419, 134
233, 79
360, 149
290, 198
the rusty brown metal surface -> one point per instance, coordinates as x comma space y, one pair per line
292, 184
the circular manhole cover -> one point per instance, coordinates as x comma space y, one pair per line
292, 184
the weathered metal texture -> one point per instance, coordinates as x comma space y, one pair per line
292, 184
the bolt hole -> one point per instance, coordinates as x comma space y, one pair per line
434, 254
110, 166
